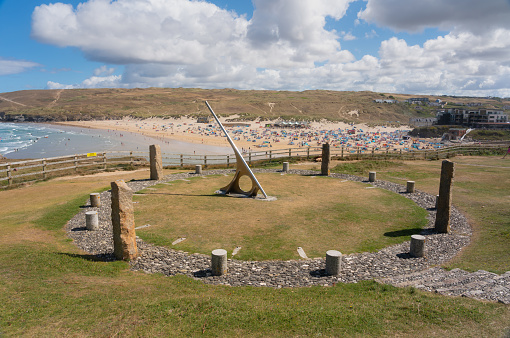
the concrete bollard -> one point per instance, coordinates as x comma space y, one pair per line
219, 262
91, 220
372, 176
95, 200
410, 186
333, 262
417, 245
198, 169
285, 167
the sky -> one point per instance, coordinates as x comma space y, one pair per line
435, 47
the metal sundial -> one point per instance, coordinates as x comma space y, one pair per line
242, 169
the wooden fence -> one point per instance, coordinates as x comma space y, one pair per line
12, 173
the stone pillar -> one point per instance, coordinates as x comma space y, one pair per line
91, 220
326, 158
285, 167
417, 246
123, 221
444, 202
410, 186
198, 169
156, 162
333, 262
372, 176
219, 262
95, 200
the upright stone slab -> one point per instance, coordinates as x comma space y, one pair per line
156, 162
444, 202
123, 220
326, 158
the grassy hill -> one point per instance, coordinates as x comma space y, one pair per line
84, 104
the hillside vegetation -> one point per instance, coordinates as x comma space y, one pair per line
86, 104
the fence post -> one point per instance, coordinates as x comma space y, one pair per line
342, 152
75, 163
373, 152
44, 168
290, 152
205, 161
131, 158
104, 161
308, 153
228, 161
9, 175
249, 158
182, 161
270, 155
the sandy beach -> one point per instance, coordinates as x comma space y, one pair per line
259, 135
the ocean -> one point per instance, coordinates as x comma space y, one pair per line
40, 140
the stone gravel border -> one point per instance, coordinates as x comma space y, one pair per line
389, 262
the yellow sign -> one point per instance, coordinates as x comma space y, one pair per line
91, 154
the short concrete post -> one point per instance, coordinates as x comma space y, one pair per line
444, 203
95, 200
123, 221
219, 262
91, 220
198, 169
371, 176
417, 246
156, 163
285, 167
333, 262
326, 158
410, 186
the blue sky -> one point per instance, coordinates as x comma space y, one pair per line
454, 47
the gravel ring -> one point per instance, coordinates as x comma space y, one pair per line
389, 262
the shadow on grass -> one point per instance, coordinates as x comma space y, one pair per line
175, 194
105, 257
403, 233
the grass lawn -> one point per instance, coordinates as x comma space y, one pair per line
49, 288
315, 213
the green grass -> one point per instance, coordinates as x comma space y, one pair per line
48, 288
481, 191
315, 213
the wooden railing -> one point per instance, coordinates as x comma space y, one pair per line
13, 173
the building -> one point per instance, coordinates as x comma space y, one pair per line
204, 119
423, 121
472, 117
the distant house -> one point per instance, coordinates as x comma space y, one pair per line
204, 119
385, 101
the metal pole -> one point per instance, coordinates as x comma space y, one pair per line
238, 154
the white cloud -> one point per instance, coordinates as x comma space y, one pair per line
103, 70
8, 67
181, 43
416, 15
